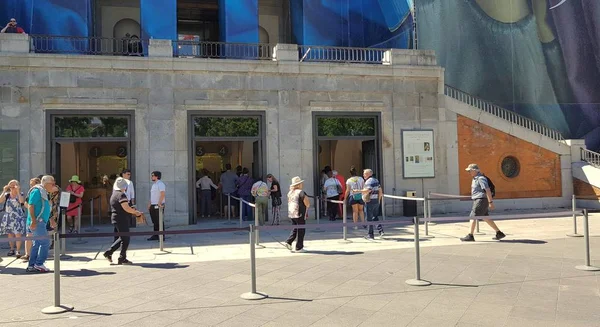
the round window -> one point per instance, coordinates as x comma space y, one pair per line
510, 167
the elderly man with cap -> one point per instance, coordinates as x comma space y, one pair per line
481, 194
121, 211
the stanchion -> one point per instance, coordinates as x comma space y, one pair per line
318, 214
229, 222
253, 294
586, 236
257, 223
574, 205
92, 228
427, 216
344, 221
477, 232
63, 241
417, 281
79, 240
241, 211
161, 228
431, 223
57, 307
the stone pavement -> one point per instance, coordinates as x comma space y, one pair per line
527, 279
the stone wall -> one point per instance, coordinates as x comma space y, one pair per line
161, 92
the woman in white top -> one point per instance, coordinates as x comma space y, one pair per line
205, 184
354, 185
332, 189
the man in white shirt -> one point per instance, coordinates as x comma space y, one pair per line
157, 201
205, 184
332, 189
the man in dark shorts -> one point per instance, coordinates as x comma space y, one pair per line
120, 214
482, 203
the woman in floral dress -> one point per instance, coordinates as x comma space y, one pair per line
13, 218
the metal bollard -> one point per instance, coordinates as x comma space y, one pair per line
92, 228
417, 281
586, 236
241, 221
574, 205
161, 221
318, 214
57, 307
344, 221
63, 242
257, 223
253, 294
429, 209
79, 240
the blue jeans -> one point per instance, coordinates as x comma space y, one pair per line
39, 250
372, 208
247, 210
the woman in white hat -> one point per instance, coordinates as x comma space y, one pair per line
298, 205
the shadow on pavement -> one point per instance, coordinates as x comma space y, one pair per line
398, 239
84, 273
522, 241
161, 265
333, 252
72, 258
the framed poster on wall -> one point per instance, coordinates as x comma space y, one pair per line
418, 154
9, 156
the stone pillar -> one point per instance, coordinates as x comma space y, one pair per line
160, 48
401, 57
16, 43
285, 52
576, 145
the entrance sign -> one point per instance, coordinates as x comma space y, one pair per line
418, 154
64, 199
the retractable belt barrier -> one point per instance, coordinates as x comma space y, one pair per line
433, 196
317, 212
344, 217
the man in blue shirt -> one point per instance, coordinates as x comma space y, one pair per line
37, 217
372, 195
481, 194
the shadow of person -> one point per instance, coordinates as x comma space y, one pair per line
84, 273
323, 252
518, 241
161, 265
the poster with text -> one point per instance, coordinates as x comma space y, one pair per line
418, 154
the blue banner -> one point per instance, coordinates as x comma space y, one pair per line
238, 21
159, 19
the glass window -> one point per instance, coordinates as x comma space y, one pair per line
91, 127
9, 156
346, 126
226, 126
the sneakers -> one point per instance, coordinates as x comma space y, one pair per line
288, 246
18, 255
41, 268
468, 238
124, 262
499, 236
381, 234
300, 251
10, 253
25, 258
108, 256
31, 270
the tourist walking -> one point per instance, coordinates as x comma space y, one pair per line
38, 214
121, 212
275, 190
76, 190
205, 184
354, 187
157, 202
481, 194
12, 221
298, 205
332, 189
260, 191
372, 195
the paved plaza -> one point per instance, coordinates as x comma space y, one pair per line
528, 279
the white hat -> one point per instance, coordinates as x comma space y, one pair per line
472, 167
121, 183
297, 180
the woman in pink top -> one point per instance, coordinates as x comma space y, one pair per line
76, 190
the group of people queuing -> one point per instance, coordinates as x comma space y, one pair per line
241, 185
362, 193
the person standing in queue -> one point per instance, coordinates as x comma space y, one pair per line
121, 212
298, 205
38, 215
157, 201
372, 195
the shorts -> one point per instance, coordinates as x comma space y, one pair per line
352, 201
480, 207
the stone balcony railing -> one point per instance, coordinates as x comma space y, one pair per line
66, 45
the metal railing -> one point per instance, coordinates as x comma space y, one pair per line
342, 54
591, 157
87, 45
222, 50
503, 113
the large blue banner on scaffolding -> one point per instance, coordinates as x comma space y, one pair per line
49, 17
159, 19
353, 23
238, 21
539, 58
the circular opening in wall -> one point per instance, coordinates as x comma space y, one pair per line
510, 167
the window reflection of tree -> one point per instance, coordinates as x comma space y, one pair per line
90, 127
344, 126
222, 127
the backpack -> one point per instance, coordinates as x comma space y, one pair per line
491, 185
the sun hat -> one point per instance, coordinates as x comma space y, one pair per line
297, 180
472, 167
121, 183
75, 179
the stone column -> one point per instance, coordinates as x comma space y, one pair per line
16, 43
160, 48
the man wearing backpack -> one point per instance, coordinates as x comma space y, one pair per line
482, 202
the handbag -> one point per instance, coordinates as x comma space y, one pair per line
357, 196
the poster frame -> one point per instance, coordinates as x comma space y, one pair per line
433, 152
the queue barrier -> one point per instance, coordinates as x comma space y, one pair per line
344, 219
256, 221
92, 201
433, 196
317, 200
